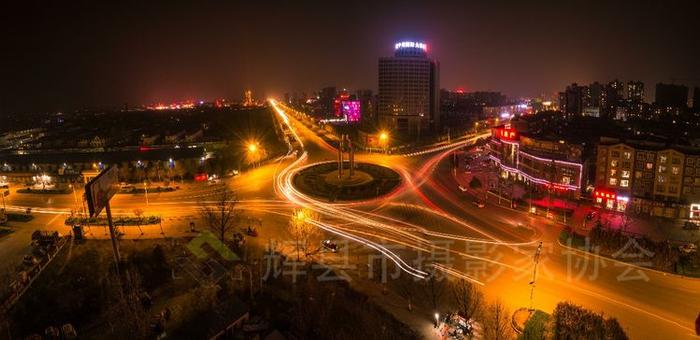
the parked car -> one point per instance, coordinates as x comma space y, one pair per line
329, 245
688, 248
591, 215
690, 225
252, 232
29, 260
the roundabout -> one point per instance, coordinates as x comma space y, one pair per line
368, 181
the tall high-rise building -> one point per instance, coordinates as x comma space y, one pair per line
614, 95
572, 100
367, 106
671, 95
597, 95
408, 98
326, 100
635, 91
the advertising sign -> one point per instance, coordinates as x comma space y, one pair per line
351, 110
101, 189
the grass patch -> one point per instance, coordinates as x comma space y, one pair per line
19, 217
536, 326
376, 181
119, 221
43, 191
572, 239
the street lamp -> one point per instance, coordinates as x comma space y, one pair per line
384, 140
437, 319
252, 147
145, 188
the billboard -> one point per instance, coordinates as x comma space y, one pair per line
101, 189
351, 110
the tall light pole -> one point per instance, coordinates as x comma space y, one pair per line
145, 188
536, 259
75, 199
253, 150
384, 140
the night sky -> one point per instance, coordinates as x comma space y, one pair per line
64, 55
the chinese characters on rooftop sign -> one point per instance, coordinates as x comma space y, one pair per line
411, 44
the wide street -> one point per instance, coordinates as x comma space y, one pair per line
425, 224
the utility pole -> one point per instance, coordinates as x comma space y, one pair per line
145, 188
340, 157
534, 274
351, 156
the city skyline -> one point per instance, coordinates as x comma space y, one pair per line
130, 55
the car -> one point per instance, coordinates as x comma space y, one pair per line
688, 248
329, 245
29, 260
252, 232
690, 225
479, 204
462, 188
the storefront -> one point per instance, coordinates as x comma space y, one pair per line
610, 200
694, 211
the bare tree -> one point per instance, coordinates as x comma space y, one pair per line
127, 315
220, 216
406, 287
138, 212
435, 286
468, 299
302, 231
496, 322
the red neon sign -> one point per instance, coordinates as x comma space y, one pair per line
506, 133
604, 194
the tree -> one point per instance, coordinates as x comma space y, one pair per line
406, 287
468, 299
475, 183
220, 216
138, 212
571, 321
302, 231
435, 286
496, 322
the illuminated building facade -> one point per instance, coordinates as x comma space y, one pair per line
654, 178
555, 166
408, 98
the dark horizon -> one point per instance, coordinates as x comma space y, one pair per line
66, 56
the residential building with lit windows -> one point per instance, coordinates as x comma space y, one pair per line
615, 164
648, 178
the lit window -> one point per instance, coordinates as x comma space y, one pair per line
625, 174
613, 163
625, 183
637, 174
661, 179
662, 159
613, 172
627, 154
613, 181
650, 166
662, 169
675, 170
